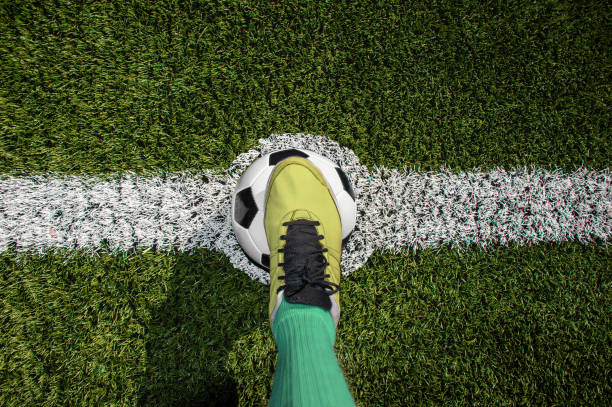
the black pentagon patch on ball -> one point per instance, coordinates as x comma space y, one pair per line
261, 264
245, 208
279, 156
265, 260
345, 182
346, 239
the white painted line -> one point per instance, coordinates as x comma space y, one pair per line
396, 209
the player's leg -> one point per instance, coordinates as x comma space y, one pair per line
305, 238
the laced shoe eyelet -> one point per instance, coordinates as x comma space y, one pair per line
304, 263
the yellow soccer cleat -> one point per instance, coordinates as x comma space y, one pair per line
304, 234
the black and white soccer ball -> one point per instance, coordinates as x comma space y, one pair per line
248, 201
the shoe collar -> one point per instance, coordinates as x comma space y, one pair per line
334, 311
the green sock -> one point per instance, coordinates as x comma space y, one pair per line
307, 372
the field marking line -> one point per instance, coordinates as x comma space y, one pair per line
397, 209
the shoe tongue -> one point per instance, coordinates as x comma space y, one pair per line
301, 225
303, 238
310, 296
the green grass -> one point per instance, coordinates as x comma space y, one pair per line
526, 325
102, 87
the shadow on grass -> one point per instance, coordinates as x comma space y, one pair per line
209, 305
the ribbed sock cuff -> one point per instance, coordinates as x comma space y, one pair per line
307, 372
300, 320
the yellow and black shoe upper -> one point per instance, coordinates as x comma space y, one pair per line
304, 235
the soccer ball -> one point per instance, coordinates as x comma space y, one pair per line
249, 196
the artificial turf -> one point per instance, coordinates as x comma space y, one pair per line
104, 87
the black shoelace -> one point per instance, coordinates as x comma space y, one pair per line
304, 260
